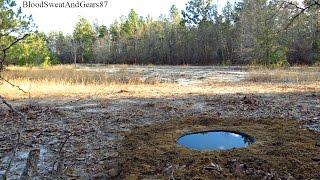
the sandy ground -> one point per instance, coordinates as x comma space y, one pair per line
97, 125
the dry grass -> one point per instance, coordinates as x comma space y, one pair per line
67, 81
68, 74
285, 75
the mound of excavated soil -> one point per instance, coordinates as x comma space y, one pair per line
282, 150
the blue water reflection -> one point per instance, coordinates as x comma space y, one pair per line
215, 140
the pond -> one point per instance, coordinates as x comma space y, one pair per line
215, 140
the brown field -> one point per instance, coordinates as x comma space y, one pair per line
67, 81
109, 110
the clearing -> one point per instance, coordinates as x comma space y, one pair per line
124, 120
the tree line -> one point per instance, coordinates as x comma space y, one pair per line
265, 32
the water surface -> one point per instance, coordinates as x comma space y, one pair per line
215, 140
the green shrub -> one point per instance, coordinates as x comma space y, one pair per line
278, 56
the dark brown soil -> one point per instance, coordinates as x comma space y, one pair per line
98, 127
282, 150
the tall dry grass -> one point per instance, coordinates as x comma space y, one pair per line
66, 81
68, 74
297, 75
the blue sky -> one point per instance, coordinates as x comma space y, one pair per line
63, 19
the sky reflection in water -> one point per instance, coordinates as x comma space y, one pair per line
206, 141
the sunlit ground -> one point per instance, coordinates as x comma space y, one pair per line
154, 81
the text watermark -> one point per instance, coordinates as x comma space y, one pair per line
66, 4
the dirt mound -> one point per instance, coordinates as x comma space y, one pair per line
282, 150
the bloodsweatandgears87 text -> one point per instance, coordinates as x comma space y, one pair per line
67, 4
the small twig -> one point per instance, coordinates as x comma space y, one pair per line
13, 85
2, 100
19, 132
172, 177
12, 157
64, 142
60, 162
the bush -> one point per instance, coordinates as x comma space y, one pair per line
278, 56
32, 51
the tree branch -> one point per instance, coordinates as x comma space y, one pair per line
2, 100
302, 10
4, 51
293, 4
13, 85
60, 160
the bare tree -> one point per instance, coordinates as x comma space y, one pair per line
75, 46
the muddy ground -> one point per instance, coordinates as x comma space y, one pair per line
98, 127
134, 138
183, 75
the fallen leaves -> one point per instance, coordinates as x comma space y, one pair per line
99, 124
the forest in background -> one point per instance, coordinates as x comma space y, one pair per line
250, 32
